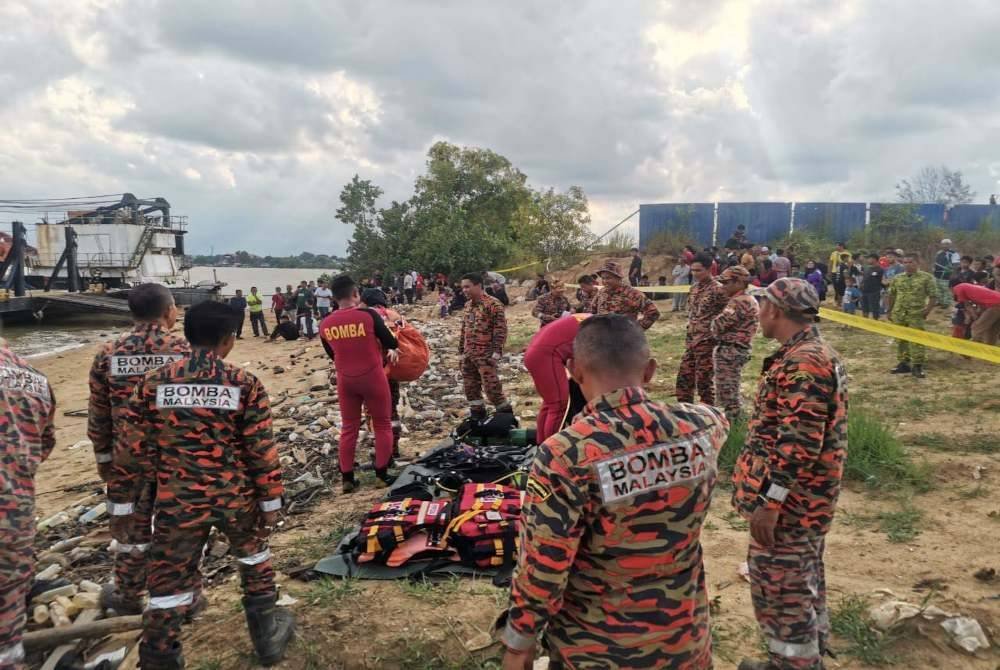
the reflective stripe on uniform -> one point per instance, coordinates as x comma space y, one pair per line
134, 547
272, 505
514, 640
12, 654
778, 493
170, 602
121, 509
793, 649
103, 457
255, 559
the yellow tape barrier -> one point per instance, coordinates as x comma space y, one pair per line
978, 350
517, 267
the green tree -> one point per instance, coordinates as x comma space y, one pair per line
557, 226
935, 185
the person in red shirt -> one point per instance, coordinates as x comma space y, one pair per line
545, 359
277, 303
355, 336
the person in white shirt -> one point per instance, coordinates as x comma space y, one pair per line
408, 287
323, 296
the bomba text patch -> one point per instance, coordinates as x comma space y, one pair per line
206, 396
131, 365
659, 466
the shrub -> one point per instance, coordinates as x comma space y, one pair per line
876, 457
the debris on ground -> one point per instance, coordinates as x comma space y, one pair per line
962, 631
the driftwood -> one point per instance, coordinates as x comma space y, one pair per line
53, 637
62, 650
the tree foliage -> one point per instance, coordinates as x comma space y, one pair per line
471, 210
935, 185
246, 259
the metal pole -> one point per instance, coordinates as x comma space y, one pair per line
19, 247
72, 272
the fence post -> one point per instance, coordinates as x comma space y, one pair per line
868, 214
715, 224
791, 219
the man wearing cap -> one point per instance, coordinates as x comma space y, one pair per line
787, 478
705, 302
635, 267
552, 305
912, 296
615, 297
733, 330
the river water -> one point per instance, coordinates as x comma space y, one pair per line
48, 337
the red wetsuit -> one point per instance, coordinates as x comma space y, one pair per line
355, 338
545, 359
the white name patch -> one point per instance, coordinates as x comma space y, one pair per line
206, 396
132, 365
657, 467
23, 381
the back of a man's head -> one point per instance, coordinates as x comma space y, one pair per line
149, 302
342, 287
611, 345
209, 323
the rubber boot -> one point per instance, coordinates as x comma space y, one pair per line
901, 369
271, 627
383, 479
150, 659
349, 485
918, 371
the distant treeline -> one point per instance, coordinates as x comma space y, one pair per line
246, 259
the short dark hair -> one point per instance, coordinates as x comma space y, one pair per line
476, 278
208, 323
611, 342
912, 254
967, 258
704, 259
767, 264
585, 279
342, 287
149, 301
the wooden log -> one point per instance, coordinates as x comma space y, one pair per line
60, 652
53, 637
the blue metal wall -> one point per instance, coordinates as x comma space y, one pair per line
764, 220
970, 217
695, 219
836, 220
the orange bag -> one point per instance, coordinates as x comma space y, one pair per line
414, 354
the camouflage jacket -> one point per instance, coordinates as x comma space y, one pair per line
626, 300
585, 301
202, 428
117, 368
706, 301
611, 558
737, 323
796, 444
27, 436
550, 307
484, 327
910, 292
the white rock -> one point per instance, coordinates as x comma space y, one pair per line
966, 633
81, 444
293, 437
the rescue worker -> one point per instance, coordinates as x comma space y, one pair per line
585, 294
545, 358
787, 478
202, 429
117, 368
256, 306
732, 331
376, 300
610, 562
484, 332
617, 297
705, 301
552, 305
27, 436
355, 337
912, 296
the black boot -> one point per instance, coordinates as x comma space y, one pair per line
349, 484
918, 371
383, 479
901, 369
150, 659
271, 627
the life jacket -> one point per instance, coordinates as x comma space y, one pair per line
390, 524
484, 525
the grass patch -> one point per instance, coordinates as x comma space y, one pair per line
210, 664
980, 443
327, 592
733, 446
876, 457
978, 491
901, 525
735, 521
438, 591
849, 620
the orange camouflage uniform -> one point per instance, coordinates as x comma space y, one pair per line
550, 307
626, 300
118, 366
202, 429
27, 436
793, 461
484, 332
611, 560
733, 331
696, 371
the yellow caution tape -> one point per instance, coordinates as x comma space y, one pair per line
682, 288
517, 267
979, 350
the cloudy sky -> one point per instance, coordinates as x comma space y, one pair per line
250, 116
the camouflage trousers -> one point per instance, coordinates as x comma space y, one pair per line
788, 588
479, 373
17, 566
909, 352
130, 561
728, 361
175, 580
696, 374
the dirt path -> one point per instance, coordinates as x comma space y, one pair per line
399, 625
